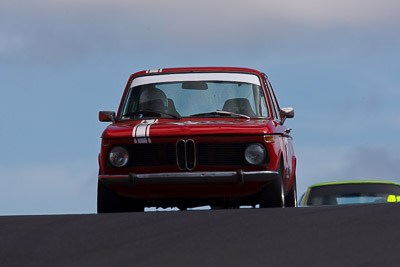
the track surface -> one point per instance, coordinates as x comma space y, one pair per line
365, 235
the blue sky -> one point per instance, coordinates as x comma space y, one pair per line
335, 62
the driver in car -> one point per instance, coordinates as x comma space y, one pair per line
153, 99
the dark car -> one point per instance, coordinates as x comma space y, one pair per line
188, 137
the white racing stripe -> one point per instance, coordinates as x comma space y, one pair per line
153, 71
141, 132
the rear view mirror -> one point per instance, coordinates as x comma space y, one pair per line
195, 85
287, 113
107, 116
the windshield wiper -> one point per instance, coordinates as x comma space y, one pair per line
152, 113
220, 113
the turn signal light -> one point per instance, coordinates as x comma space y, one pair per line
269, 139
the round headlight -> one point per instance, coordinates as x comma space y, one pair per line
255, 154
118, 156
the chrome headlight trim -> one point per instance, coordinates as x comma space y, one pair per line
255, 154
118, 156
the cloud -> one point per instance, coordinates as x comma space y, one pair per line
307, 11
325, 163
10, 42
342, 12
54, 30
48, 189
379, 163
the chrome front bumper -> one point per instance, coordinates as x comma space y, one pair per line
238, 176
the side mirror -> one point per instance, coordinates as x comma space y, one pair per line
107, 116
287, 113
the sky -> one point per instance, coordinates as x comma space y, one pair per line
62, 61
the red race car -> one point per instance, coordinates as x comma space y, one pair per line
188, 137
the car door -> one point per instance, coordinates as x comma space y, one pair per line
285, 139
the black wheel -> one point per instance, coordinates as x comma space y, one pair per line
291, 197
273, 195
108, 201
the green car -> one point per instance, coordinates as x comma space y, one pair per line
351, 192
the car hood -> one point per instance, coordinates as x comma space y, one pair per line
187, 127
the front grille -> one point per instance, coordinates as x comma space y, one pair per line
190, 154
186, 154
142, 155
224, 154
181, 154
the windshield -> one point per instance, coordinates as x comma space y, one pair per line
195, 98
353, 194
350, 199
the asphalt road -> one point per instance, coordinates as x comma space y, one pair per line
365, 235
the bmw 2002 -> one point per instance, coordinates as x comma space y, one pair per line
187, 137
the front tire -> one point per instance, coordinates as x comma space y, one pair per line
291, 197
273, 195
109, 202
